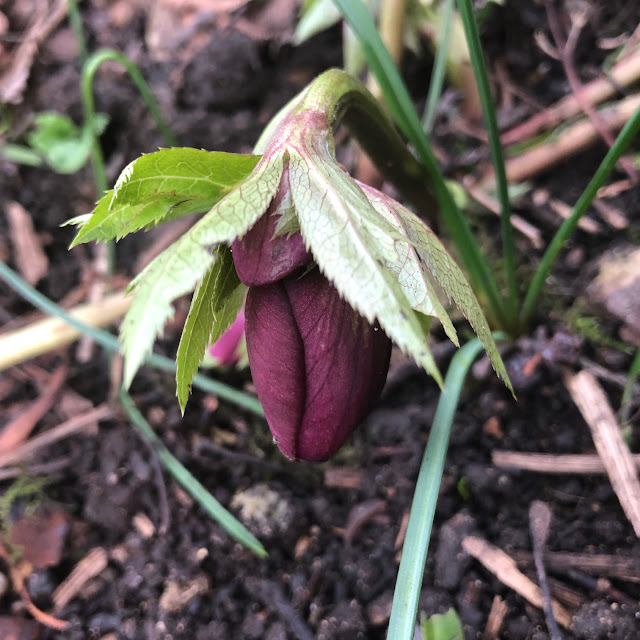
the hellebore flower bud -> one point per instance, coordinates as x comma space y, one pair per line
318, 366
263, 255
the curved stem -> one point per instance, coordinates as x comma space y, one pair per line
342, 98
89, 70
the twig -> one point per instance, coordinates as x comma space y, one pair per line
495, 619
532, 233
551, 463
566, 56
566, 143
92, 565
74, 425
504, 568
607, 565
48, 334
539, 524
616, 457
623, 74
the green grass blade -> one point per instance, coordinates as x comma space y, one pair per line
414, 554
439, 69
192, 486
112, 344
497, 155
627, 394
399, 102
624, 139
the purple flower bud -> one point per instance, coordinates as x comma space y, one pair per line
260, 258
318, 366
226, 350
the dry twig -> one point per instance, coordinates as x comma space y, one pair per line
616, 457
551, 463
92, 565
505, 569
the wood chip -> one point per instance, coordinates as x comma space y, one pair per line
92, 565
31, 260
616, 457
143, 525
496, 617
344, 478
505, 569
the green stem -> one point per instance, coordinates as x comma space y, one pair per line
342, 98
439, 68
620, 145
89, 70
497, 156
112, 344
188, 482
75, 19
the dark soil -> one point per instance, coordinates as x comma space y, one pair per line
333, 550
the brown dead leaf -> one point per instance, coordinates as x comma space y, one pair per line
31, 259
19, 629
18, 430
41, 536
14, 80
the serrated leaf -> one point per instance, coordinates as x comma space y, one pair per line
178, 269
352, 245
409, 269
215, 304
162, 186
444, 270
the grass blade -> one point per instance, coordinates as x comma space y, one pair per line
439, 68
189, 483
399, 102
623, 140
414, 554
497, 155
112, 344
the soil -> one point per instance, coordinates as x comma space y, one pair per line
331, 530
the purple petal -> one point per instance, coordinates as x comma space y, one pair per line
318, 366
260, 258
224, 350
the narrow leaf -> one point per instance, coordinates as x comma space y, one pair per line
352, 245
444, 270
412, 276
215, 305
164, 185
178, 269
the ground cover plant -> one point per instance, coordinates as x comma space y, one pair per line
294, 175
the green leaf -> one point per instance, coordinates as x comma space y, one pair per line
443, 269
353, 244
316, 17
178, 269
215, 305
65, 147
409, 269
162, 186
442, 626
